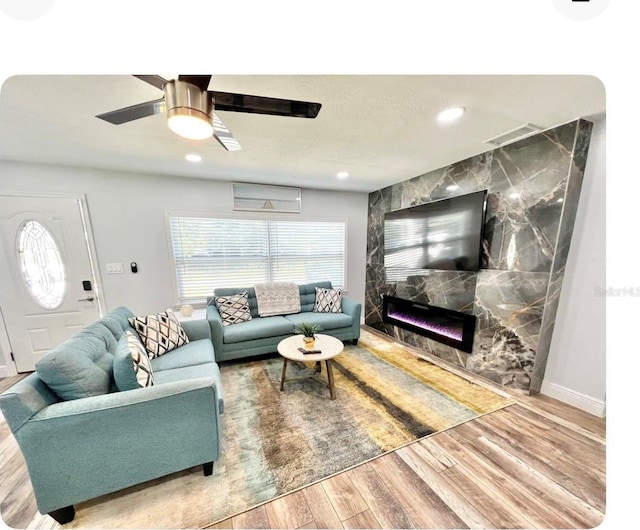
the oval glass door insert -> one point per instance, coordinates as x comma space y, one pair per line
41, 265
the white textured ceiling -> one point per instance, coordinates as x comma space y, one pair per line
381, 129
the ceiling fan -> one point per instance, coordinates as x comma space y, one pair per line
190, 108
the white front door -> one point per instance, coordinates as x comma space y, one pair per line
47, 286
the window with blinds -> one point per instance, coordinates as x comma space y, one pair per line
211, 253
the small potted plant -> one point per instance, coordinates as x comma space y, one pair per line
308, 332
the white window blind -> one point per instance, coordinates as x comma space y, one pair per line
303, 252
211, 253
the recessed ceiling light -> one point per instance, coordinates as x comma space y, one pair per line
450, 115
192, 157
453, 187
514, 196
342, 175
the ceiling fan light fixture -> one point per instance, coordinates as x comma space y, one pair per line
186, 123
189, 110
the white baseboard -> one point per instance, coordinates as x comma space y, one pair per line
576, 399
4, 371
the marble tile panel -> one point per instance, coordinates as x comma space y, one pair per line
379, 204
417, 190
546, 331
509, 306
534, 166
534, 187
467, 176
449, 289
521, 239
523, 213
572, 195
375, 288
442, 351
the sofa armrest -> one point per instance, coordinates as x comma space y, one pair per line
354, 310
196, 329
217, 329
101, 444
123, 399
23, 400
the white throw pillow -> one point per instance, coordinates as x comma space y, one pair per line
159, 333
233, 309
328, 300
141, 364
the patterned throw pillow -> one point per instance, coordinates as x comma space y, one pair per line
131, 366
159, 333
141, 363
233, 309
328, 300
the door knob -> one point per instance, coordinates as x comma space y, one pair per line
87, 299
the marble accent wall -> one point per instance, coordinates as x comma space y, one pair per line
533, 191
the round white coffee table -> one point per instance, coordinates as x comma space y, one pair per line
329, 347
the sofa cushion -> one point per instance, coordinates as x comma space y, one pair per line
193, 372
328, 300
79, 367
308, 294
116, 325
230, 291
326, 321
159, 333
233, 309
122, 314
101, 331
196, 352
131, 365
257, 328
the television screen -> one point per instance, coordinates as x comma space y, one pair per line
444, 234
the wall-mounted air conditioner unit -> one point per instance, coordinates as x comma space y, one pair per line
263, 198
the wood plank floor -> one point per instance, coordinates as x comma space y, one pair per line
536, 464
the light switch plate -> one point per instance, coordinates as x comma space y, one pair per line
115, 268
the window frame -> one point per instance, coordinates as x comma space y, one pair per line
244, 216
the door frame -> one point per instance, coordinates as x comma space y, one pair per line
93, 261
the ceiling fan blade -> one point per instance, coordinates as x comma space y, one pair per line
224, 136
154, 80
201, 81
263, 105
134, 112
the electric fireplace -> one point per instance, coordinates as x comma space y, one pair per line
444, 325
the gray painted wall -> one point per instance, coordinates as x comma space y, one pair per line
576, 365
127, 212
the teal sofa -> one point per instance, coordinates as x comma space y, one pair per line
261, 335
80, 448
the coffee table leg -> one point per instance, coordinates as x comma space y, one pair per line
332, 388
284, 373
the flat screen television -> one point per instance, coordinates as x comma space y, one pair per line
445, 234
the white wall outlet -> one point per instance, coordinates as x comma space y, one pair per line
114, 268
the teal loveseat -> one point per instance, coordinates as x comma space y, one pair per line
103, 440
261, 335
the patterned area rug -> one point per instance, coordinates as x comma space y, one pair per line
276, 442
